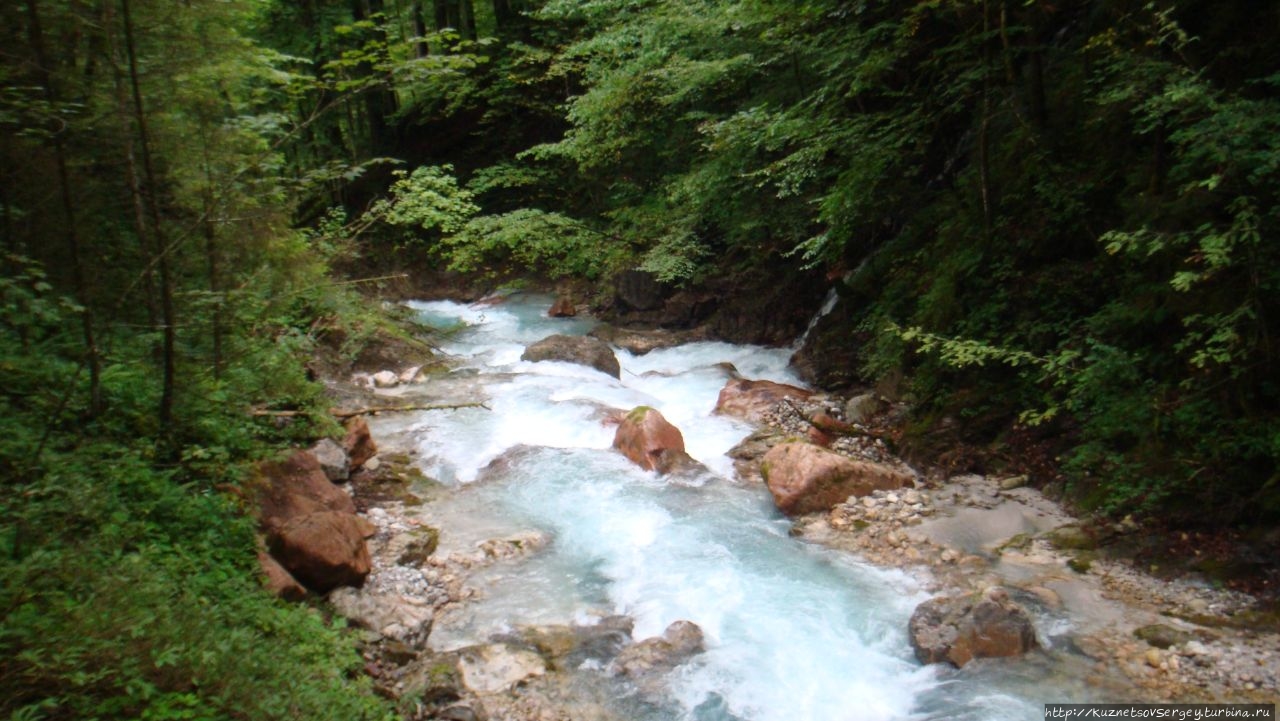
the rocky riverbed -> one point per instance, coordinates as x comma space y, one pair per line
1137, 637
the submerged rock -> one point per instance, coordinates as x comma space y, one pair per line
681, 641
583, 350
386, 379
651, 442
570, 646
804, 478
959, 629
750, 400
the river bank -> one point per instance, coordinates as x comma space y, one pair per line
946, 535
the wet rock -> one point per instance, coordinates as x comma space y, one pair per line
1162, 636
1012, 482
333, 460
978, 625
754, 446
804, 478
651, 442
570, 646
497, 549
386, 379
1070, 536
583, 350
679, 642
391, 616
324, 550
639, 342
295, 487
864, 407
494, 668
432, 679
459, 712
640, 290
563, 307
420, 548
358, 443
278, 580
750, 400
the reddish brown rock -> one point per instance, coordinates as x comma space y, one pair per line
296, 487
819, 437
324, 550
829, 425
650, 441
749, 400
358, 442
979, 625
804, 478
278, 580
562, 308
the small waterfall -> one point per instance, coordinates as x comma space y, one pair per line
828, 304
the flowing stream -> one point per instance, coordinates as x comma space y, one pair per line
794, 632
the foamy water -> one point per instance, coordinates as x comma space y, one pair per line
794, 632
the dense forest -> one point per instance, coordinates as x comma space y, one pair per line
1051, 226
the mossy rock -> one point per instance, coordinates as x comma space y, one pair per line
1081, 562
1161, 635
1019, 542
1070, 537
425, 542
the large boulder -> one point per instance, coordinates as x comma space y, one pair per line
986, 624
679, 642
650, 441
749, 400
640, 290
805, 478
296, 486
583, 350
324, 550
358, 442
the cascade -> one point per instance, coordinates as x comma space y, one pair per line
793, 631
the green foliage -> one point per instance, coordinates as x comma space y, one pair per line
426, 200
532, 241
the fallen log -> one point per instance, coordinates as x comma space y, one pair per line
343, 415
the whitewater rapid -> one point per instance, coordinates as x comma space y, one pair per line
793, 631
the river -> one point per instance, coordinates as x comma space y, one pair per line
794, 631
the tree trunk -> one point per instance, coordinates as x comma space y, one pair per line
161, 252
420, 47
467, 16
72, 238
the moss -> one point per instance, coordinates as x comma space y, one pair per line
1081, 563
638, 414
